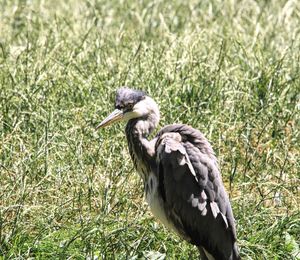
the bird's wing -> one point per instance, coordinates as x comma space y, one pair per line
192, 190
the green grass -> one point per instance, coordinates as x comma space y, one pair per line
229, 69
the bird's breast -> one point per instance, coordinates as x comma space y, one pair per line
156, 202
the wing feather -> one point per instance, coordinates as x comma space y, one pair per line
194, 196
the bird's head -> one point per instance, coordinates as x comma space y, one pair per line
130, 104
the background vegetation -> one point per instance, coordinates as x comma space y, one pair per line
228, 68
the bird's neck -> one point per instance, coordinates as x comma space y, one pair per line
140, 148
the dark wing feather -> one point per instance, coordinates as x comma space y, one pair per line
191, 187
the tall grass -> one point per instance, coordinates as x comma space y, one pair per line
230, 69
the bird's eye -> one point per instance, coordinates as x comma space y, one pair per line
129, 106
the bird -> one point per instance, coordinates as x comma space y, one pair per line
182, 181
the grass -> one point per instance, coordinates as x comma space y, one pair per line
230, 69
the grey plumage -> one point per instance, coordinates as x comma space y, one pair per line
125, 97
183, 185
205, 224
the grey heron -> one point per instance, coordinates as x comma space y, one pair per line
182, 181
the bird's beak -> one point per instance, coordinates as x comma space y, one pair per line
115, 116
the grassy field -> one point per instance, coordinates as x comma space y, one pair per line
230, 69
